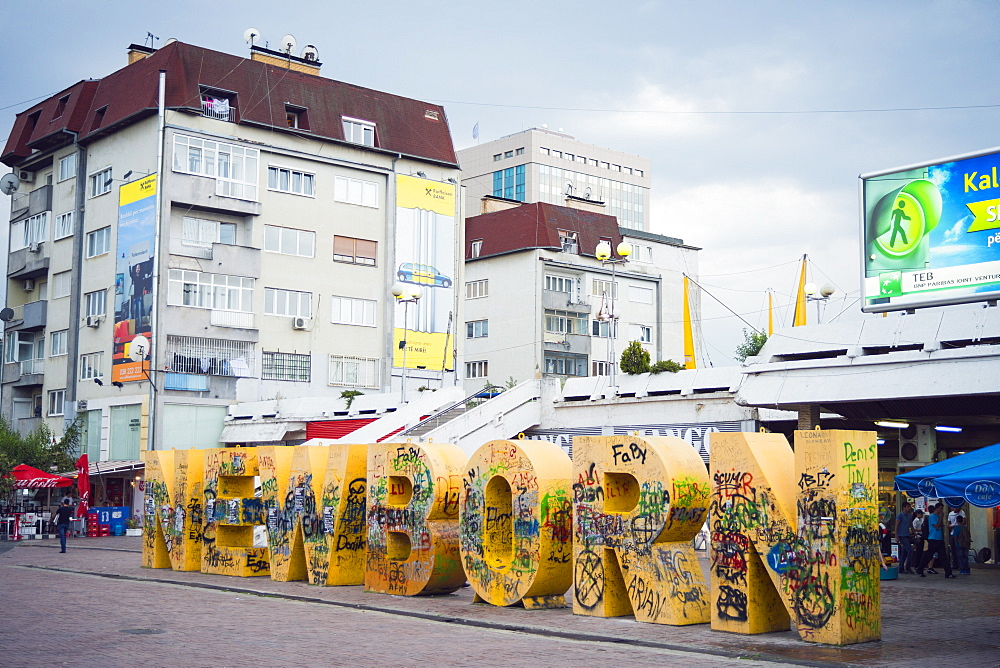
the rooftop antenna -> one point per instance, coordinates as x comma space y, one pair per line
310, 52
150, 37
287, 44
251, 34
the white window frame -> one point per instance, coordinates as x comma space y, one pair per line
355, 191
62, 284
600, 287
276, 237
29, 231
477, 289
352, 311
96, 303
477, 369
556, 283
233, 166
602, 329
103, 235
296, 182
641, 254
57, 402
58, 341
205, 231
64, 226
92, 365
601, 367
218, 292
289, 303
355, 131
286, 366
477, 329
351, 371
67, 167
640, 294
475, 248
99, 182
641, 333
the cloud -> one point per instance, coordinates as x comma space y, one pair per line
953, 234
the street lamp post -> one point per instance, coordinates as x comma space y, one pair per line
405, 295
821, 299
603, 254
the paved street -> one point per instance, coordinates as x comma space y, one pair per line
95, 605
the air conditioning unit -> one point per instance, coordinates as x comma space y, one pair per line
26, 176
81, 404
29, 284
93, 321
301, 323
34, 247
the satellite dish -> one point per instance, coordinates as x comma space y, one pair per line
7, 314
170, 40
9, 184
310, 52
138, 350
288, 43
251, 34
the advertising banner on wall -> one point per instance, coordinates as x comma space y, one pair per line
425, 257
134, 257
932, 234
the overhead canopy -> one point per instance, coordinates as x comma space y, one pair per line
28, 477
973, 477
258, 432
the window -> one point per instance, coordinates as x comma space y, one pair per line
213, 357
355, 251
475, 248
355, 371
565, 322
605, 165
349, 311
641, 333
98, 118
287, 302
476, 369
641, 254
600, 288
355, 191
99, 242
95, 303
233, 167
359, 132
222, 292
64, 225
25, 347
628, 170
543, 150
100, 182
570, 157
519, 151
477, 329
638, 172
592, 162
200, 232
509, 183
30, 231
287, 241
67, 167
567, 240
217, 106
603, 329
290, 181
477, 289
57, 343
558, 283
57, 402
600, 368
91, 366
296, 117
497, 157
61, 109
62, 283
616, 168
285, 366
640, 295
566, 365
508, 154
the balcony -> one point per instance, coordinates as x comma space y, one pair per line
218, 108
24, 374
31, 203
201, 192
234, 319
29, 262
29, 317
19, 204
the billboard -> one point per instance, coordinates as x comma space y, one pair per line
425, 256
932, 234
134, 257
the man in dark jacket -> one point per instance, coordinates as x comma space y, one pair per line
62, 518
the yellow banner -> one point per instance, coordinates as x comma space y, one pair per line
417, 193
423, 349
137, 190
986, 215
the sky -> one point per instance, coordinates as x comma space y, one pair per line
757, 116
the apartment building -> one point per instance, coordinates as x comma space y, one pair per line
542, 165
539, 303
200, 228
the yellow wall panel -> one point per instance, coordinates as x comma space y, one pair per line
231, 513
172, 516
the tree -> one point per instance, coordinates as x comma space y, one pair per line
635, 359
752, 343
39, 449
666, 365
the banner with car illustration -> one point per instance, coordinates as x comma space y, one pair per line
932, 234
425, 257
134, 280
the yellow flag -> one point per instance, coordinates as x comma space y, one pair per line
770, 313
800, 298
689, 361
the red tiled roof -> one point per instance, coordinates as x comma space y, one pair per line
50, 121
262, 90
537, 225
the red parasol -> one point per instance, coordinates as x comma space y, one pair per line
83, 485
28, 477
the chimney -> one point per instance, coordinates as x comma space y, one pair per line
584, 204
309, 64
137, 52
493, 204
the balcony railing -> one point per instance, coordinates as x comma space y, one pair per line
19, 202
32, 366
218, 108
237, 319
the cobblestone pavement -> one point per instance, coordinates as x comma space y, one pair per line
95, 605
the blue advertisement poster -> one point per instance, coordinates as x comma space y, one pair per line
135, 254
932, 234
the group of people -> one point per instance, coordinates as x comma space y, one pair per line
914, 528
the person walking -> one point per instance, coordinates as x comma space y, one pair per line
63, 516
952, 521
903, 523
961, 542
917, 538
935, 543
